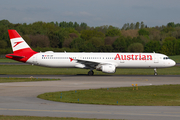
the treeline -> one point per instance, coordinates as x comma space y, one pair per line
136, 25
74, 37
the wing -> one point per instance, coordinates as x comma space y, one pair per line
88, 64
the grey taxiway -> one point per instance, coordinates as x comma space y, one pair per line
21, 98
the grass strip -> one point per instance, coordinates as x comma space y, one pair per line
30, 79
176, 58
4, 117
7, 60
38, 70
164, 95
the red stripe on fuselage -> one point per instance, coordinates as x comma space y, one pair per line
26, 53
13, 34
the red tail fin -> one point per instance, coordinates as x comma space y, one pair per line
21, 50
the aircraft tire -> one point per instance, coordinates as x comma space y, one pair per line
155, 74
90, 73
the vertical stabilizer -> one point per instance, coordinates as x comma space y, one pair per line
21, 50
17, 42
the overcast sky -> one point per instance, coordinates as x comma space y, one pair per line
93, 12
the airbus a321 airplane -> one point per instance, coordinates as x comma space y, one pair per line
105, 62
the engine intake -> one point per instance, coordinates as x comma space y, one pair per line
107, 68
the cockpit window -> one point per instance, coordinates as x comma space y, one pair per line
165, 58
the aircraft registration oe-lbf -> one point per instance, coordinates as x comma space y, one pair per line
105, 62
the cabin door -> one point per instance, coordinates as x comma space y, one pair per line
156, 58
35, 59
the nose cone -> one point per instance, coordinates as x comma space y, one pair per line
173, 63
170, 63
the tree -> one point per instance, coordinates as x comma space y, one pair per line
152, 46
167, 48
39, 41
142, 25
124, 27
113, 32
177, 47
143, 32
76, 25
132, 26
138, 40
67, 42
83, 25
73, 35
171, 24
97, 42
170, 46
137, 25
27, 39
88, 34
4, 22
64, 24
168, 29
130, 33
129, 41
77, 43
88, 47
54, 40
57, 24
169, 39
3, 44
106, 48
127, 26
136, 47
70, 24
119, 45
109, 40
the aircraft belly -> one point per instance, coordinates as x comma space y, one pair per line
59, 63
137, 64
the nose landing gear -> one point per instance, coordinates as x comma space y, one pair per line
155, 72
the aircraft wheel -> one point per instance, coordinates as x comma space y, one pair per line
90, 73
155, 72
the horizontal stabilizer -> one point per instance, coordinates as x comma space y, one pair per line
14, 56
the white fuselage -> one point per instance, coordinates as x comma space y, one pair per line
119, 60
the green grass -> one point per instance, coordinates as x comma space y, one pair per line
3, 117
175, 58
37, 70
7, 60
164, 95
30, 79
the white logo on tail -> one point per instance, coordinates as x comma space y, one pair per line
17, 43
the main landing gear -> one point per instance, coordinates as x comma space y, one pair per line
90, 73
155, 71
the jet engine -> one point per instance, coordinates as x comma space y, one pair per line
106, 68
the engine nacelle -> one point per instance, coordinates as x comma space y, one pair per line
107, 68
